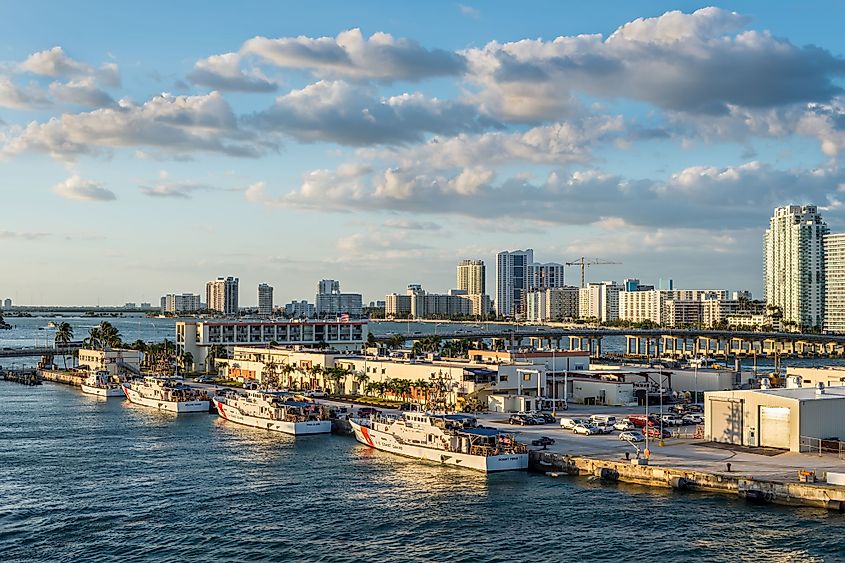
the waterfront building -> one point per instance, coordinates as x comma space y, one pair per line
552, 305
7, 304
397, 306
794, 264
517, 274
834, 276
115, 361
130, 305
753, 321
472, 277
265, 300
146, 306
197, 337
417, 303
301, 308
599, 301
775, 418
222, 295
331, 302
639, 306
180, 303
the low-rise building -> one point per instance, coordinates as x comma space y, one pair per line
775, 418
299, 309
197, 337
180, 303
115, 361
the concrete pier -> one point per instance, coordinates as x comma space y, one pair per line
59, 376
776, 491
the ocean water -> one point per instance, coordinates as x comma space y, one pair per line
85, 479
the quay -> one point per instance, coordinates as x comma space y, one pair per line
23, 376
60, 376
774, 489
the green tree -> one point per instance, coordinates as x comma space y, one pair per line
64, 335
361, 379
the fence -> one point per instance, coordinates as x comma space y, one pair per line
821, 446
696, 432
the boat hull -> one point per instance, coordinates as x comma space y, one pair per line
116, 391
178, 407
234, 414
488, 464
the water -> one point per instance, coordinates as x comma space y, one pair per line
91, 480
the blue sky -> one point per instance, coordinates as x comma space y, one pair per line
147, 148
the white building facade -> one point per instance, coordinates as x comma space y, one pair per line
330, 301
794, 264
180, 302
222, 295
834, 277
472, 277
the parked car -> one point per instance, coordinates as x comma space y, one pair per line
693, 419
534, 417
672, 420
569, 423
654, 432
542, 441
316, 394
368, 411
640, 420
585, 429
624, 425
548, 418
679, 408
604, 427
635, 436
603, 418
695, 408
519, 419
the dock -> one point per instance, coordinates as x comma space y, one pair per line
23, 376
61, 376
755, 489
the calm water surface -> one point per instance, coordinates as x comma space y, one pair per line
83, 479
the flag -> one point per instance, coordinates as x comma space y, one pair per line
344, 318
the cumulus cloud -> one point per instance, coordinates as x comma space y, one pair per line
181, 124
79, 189
21, 97
696, 197
699, 63
351, 55
56, 63
82, 92
336, 111
224, 72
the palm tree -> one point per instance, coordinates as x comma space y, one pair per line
94, 339
336, 375
64, 334
395, 341
270, 374
109, 335
361, 379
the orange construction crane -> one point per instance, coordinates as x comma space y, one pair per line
584, 262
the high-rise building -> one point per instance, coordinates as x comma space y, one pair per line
330, 301
794, 264
517, 274
599, 301
222, 295
180, 303
472, 277
552, 305
834, 276
302, 308
265, 300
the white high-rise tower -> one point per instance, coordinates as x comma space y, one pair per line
794, 264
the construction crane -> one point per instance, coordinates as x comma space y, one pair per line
584, 262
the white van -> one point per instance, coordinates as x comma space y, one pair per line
603, 419
570, 423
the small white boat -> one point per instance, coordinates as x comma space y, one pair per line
166, 394
273, 410
101, 384
450, 439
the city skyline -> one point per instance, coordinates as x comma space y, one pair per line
380, 147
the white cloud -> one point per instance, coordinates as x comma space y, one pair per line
79, 189
336, 111
181, 124
224, 72
697, 63
176, 190
21, 97
351, 55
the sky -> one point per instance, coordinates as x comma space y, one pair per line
147, 148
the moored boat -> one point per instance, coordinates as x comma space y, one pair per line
101, 384
167, 394
449, 439
273, 410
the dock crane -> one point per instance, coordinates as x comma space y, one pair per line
584, 262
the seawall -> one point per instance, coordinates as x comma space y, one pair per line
65, 377
821, 495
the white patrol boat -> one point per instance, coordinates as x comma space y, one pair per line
166, 394
449, 439
100, 383
273, 410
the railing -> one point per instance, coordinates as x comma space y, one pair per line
685, 432
821, 446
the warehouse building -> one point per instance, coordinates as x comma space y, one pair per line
775, 418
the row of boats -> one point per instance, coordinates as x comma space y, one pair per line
448, 439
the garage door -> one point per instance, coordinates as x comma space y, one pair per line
726, 421
774, 427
